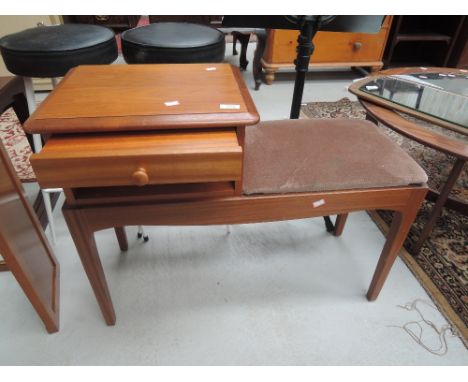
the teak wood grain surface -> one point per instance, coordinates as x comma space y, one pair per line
189, 176
101, 98
157, 157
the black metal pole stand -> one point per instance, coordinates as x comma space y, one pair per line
305, 48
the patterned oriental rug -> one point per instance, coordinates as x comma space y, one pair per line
14, 140
442, 264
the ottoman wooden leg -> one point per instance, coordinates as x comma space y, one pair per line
244, 41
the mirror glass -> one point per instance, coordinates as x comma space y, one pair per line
441, 95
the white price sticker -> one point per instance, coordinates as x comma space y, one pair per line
226, 106
318, 203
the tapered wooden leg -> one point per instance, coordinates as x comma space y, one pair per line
87, 250
339, 224
400, 227
121, 238
369, 117
439, 205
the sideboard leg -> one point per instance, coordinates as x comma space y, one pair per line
85, 244
121, 238
270, 75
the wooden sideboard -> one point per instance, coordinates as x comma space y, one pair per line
332, 49
118, 23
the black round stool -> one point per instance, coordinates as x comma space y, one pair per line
49, 52
173, 43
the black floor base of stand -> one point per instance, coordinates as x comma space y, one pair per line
328, 224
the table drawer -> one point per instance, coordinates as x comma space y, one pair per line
94, 160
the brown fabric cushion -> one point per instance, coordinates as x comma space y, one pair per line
323, 155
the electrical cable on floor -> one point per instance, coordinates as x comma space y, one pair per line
441, 332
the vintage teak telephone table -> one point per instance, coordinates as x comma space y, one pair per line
179, 145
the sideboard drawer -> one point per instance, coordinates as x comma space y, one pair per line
121, 159
330, 47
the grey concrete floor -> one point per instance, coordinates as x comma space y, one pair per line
284, 293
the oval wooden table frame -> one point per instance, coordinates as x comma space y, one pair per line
386, 112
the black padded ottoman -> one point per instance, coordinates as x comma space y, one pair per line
173, 43
50, 51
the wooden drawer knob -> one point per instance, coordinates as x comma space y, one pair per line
140, 177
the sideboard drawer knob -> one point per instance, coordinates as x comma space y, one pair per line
102, 18
140, 177
357, 45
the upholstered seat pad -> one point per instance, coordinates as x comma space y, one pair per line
323, 155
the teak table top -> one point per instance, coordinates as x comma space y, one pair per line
99, 98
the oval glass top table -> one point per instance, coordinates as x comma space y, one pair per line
435, 95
